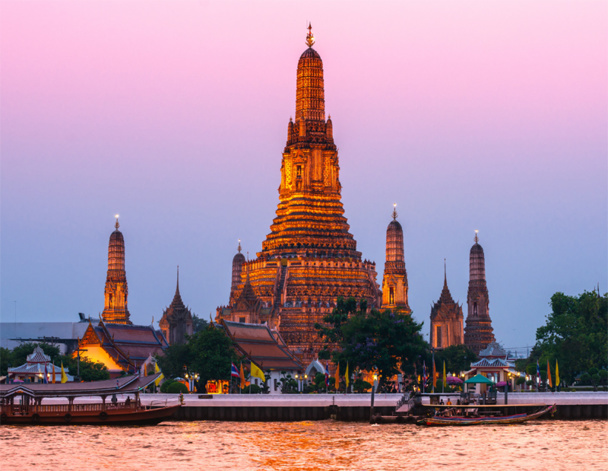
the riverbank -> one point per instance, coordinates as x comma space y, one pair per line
352, 407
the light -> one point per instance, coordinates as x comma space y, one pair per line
117, 216
297, 377
375, 377
305, 376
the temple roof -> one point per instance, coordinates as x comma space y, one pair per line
262, 346
38, 356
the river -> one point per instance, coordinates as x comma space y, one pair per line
325, 445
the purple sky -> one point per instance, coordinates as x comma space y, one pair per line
470, 115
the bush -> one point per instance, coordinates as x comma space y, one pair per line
176, 387
361, 386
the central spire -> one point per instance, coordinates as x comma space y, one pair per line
310, 39
310, 94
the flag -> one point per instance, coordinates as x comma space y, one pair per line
256, 372
423, 374
549, 381
537, 373
346, 378
434, 375
46, 375
160, 378
338, 377
234, 372
64, 377
556, 374
53, 373
326, 376
242, 375
445, 377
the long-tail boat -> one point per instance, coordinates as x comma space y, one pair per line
483, 419
32, 403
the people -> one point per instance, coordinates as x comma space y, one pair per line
441, 402
128, 401
449, 402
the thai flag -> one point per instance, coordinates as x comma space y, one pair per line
424, 373
234, 371
327, 376
537, 373
45, 380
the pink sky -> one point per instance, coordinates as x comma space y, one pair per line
470, 115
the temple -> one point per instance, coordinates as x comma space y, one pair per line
176, 323
116, 292
478, 333
446, 319
309, 258
394, 281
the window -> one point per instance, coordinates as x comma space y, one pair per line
242, 320
391, 296
438, 342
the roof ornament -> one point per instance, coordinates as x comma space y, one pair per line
394, 211
116, 225
445, 273
310, 39
239, 249
476, 238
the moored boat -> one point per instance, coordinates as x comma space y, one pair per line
484, 419
32, 404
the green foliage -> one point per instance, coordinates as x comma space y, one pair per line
370, 341
360, 386
457, 358
198, 324
176, 387
575, 334
209, 353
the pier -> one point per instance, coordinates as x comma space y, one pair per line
353, 407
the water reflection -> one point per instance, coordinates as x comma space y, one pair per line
326, 445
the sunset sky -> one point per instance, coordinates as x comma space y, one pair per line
488, 115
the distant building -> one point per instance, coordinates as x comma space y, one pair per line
446, 319
38, 368
115, 309
478, 333
494, 364
115, 341
176, 322
394, 281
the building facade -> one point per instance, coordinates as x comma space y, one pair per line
446, 319
478, 333
116, 292
394, 281
309, 258
176, 322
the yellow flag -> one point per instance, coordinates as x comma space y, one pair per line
64, 377
53, 373
160, 378
338, 377
549, 375
346, 378
256, 372
556, 374
242, 376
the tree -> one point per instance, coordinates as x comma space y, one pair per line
376, 340
198, 324
209, 353
575, 334
457, 358
89, 370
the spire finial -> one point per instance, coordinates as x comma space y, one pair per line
476, 238
116, 225
445, 273
310, 39
239, 245
177, 279
394, 211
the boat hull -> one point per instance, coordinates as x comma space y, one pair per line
505, 420
151, 416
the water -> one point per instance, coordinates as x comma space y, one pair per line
326, 445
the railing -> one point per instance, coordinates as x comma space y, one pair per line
23, 409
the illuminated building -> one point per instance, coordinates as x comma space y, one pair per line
176, 322
116, 292
446, 319
309, 258
115, 341
478, 333
394, 281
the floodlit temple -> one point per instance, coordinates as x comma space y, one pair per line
478, 333
446, 319
115, 341
394, 281
309, 258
